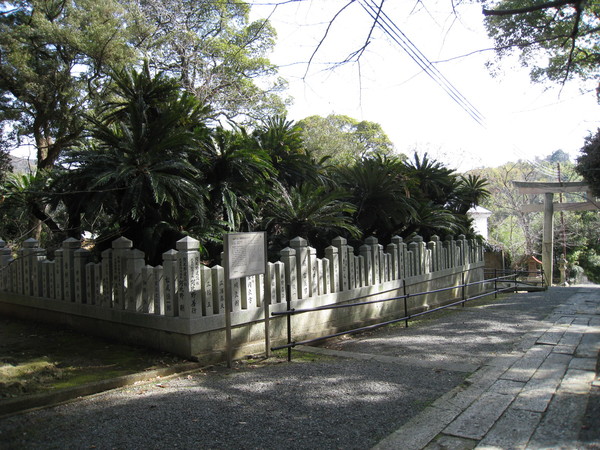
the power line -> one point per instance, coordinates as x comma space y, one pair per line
395, 33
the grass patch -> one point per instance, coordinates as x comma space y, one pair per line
37, 358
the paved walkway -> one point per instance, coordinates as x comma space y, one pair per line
533, 397
516, 373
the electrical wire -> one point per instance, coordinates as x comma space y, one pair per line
391, 29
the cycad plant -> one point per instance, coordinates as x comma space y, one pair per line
136, 162
377, 187
309, 211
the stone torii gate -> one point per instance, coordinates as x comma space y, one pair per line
549, 189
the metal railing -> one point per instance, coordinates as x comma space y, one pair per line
506, 281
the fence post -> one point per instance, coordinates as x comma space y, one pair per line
300, 245
367, 273
331, 253
341, 243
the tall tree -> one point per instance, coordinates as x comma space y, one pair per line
588, 163
217, 53
343, 138
52, 59
558, 40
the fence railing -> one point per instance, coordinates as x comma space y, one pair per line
183, 287
182, 301
495, 286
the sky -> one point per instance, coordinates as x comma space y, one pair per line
521, 120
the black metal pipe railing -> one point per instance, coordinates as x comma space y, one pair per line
511, 278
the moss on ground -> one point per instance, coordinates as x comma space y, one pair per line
37, 358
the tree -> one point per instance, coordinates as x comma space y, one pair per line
281, 140
561, 33
216, 53
343, 138
377, 186
588, 164
430, 180
313, 212
52, 60
136, 166
237, 174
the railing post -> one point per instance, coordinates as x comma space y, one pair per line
405, 303
495, 283
288, 301
462, 279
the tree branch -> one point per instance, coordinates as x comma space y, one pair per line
528, 9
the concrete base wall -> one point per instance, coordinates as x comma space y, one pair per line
204, 338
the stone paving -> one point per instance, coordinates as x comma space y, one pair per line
533, 398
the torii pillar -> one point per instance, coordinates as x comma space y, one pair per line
548, 237
549, 189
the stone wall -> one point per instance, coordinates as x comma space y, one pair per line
179, 306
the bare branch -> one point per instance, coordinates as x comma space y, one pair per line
337, 14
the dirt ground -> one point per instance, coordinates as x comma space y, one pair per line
36, 357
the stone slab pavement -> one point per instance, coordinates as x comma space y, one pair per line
519, 372
533, 397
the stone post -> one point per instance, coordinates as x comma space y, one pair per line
392, 250
279, 268
31, 276
218, 280
300, 246
401, 248
248, 293
121, 248
188, 278
460, 244
70, 246
434, 246
313, 265
80, 259
5, 258
413, 251
208, 297
170, 272
341, 244
331, 253
372, 242
270, 285
367, 265
58, 274
326, 276
48, 279
288, 258
148, 305
106, 289
351, 267
159, 291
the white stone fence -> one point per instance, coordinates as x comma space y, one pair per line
183, 289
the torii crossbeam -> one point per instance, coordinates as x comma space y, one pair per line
549, 189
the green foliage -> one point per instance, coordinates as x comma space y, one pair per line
237, 174
53, 54
343, 138
557, 41
588, 163
136, 167
308, 211
377, 186
216, 53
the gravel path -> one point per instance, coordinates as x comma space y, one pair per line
323, 404
328, 403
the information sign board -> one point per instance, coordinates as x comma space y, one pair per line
246, 254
